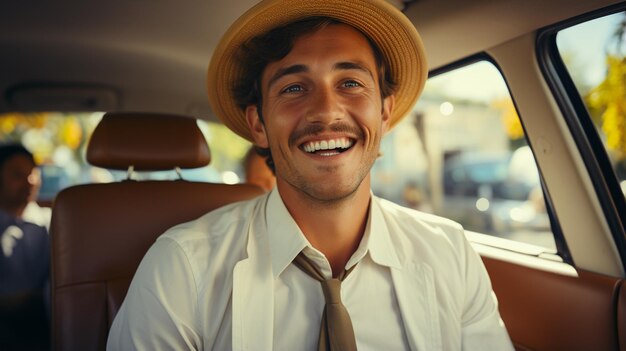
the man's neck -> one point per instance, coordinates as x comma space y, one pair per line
15, 211
336, 228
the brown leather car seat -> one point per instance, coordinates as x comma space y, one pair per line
100, 232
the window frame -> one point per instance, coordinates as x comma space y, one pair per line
586, 137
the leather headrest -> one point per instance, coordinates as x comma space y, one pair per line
148, 142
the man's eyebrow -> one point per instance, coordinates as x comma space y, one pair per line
349, 65
286, 71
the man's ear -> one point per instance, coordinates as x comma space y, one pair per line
257, 128
388, 103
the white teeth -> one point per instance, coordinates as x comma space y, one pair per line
341, 143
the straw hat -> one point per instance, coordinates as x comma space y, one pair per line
394, 34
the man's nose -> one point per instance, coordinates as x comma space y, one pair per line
325, 106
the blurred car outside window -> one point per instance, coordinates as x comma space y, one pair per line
462, 154
594, 53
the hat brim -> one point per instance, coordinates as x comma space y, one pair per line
394, 34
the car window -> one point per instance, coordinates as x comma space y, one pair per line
58, 141
594, 53
462, 154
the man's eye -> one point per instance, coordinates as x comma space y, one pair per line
351, 84
292, 89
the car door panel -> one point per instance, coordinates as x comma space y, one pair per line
549, 311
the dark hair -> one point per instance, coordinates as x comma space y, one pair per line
262, 152
9, 150
259, 51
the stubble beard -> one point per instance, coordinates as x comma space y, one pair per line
324, 194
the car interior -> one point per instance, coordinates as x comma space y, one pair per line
89, 284
142, 68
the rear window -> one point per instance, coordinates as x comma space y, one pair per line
59, 141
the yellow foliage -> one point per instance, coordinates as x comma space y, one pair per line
42, 132
7, 125
510, 119
19, 122
229, 147
608, 102
71, 133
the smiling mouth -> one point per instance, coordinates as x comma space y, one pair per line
330, 147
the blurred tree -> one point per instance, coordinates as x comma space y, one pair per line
70, 133
44, 132
511, 121
227, 148
607, 101
14, 125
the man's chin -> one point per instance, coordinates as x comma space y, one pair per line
332, 194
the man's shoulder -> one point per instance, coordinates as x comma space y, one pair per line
215, 241
434, 240
412, 217
228, 221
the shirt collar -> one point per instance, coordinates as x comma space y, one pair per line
286, 240
377, 238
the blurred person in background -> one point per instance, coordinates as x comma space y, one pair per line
24, 257
257, 171
34, 213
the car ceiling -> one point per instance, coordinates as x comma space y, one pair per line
152, 55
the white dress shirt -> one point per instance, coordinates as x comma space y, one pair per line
225, 281
367, 292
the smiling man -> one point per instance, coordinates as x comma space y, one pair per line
325, 119
319, 263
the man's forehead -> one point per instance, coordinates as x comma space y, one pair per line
19, 159
337, 32
330, 41
17, 163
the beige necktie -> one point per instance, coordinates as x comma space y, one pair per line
336, 332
